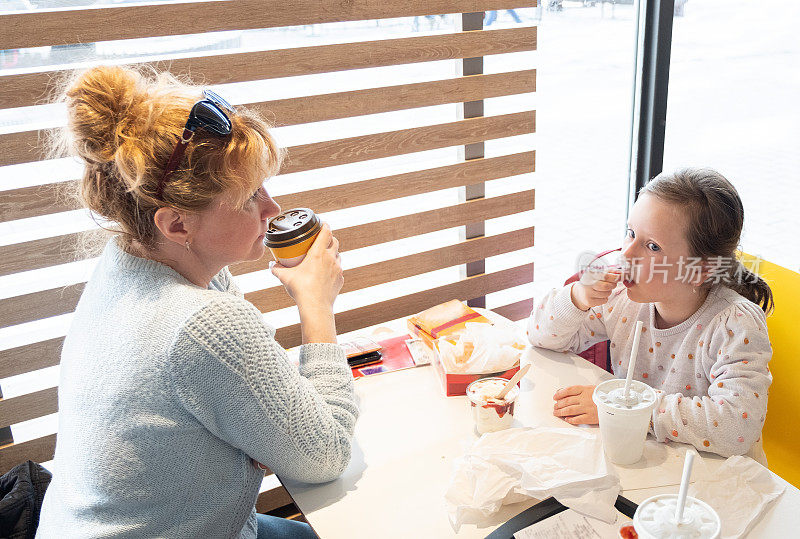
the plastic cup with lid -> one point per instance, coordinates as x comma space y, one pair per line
624, 423
491, 414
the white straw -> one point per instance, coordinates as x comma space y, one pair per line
632, 363
687, 472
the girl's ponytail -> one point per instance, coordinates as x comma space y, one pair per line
754, 288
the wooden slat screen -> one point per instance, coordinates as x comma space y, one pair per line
85, 25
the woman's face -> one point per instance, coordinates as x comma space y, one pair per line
225, 235
657, 252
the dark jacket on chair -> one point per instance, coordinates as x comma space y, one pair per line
21, 493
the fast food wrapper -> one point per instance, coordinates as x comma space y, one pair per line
481, 348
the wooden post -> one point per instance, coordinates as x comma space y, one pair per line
472, 109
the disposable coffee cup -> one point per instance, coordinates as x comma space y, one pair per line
290, 235
655, 519
624, 424
491, 414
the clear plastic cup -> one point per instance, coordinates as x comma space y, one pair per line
491, 414
592, 267
624, 424
655, 519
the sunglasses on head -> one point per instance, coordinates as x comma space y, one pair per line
208, 113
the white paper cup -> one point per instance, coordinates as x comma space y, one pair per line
623, 426
655, 519
490, 414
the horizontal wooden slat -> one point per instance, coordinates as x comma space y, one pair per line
30, 88
30, 406
44, 252
350, 195
30, 357
61, 27
274, 298
27, 146
35, 201
46, 353
406, 226
38, 450
272, 499
38, 305
393, 309
405, 141
516, 311
333, 106
22, 147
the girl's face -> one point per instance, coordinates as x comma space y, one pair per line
225, 235
657, 252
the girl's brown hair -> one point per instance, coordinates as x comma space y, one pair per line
716, 218
123, 123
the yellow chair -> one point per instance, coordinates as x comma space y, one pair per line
781, 434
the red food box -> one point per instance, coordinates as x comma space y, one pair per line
455, 384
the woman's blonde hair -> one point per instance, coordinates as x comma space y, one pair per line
124, 122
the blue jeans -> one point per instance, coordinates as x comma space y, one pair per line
491, 16
270, 527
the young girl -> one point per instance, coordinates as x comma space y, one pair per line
704, 347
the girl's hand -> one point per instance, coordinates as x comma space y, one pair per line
316, 281
574, 404
584, 297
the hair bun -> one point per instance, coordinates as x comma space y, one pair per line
102, 107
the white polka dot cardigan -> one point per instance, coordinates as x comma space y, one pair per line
710, 372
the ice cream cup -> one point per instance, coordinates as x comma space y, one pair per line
655, 519
491, 414
624, 424
290, 234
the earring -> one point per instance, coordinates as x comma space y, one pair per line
694, 289
187, 245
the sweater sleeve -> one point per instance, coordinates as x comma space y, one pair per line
729, 419
557, 324
239, 383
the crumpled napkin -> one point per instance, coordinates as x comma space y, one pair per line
740, 491
512, 465
483, 348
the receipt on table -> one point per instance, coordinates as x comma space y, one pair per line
570, 524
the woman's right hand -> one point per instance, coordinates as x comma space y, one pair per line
316, 281
584, 297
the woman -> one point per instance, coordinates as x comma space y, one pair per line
173, 389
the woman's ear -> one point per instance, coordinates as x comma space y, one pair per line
174, 225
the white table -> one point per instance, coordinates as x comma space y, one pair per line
409, 434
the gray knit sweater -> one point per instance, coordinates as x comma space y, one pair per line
168, 393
